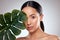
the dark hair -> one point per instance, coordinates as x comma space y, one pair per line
42, 25
38, 8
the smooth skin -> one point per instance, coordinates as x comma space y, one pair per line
33, 26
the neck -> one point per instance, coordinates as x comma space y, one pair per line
36, 34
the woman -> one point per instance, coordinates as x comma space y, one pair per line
34, 22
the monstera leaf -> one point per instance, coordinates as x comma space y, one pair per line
11, 24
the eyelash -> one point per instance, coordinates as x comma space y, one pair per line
33, 17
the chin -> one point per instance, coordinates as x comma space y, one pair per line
31, 31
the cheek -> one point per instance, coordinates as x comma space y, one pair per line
25, 24
36, 23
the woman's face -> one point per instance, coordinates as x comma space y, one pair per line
33, 21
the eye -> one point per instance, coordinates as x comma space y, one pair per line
33, 17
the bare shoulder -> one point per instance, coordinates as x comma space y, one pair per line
53, 37
21, 38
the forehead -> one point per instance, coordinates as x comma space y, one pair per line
29, 11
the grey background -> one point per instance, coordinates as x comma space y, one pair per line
51, 11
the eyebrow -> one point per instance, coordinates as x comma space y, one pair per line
32, 14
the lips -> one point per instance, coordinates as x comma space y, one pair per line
29, 27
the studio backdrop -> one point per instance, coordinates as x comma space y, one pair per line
51, 11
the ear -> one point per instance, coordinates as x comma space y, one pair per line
41, 17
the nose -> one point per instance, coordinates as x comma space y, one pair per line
28, 22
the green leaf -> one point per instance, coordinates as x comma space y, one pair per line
11, 24
22, 26
11, 36
15, 22
7, 17
14, 14
6, 36
1, 35
15, 11
18, 25
15, 30
2, 19
2, 22
22, 16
